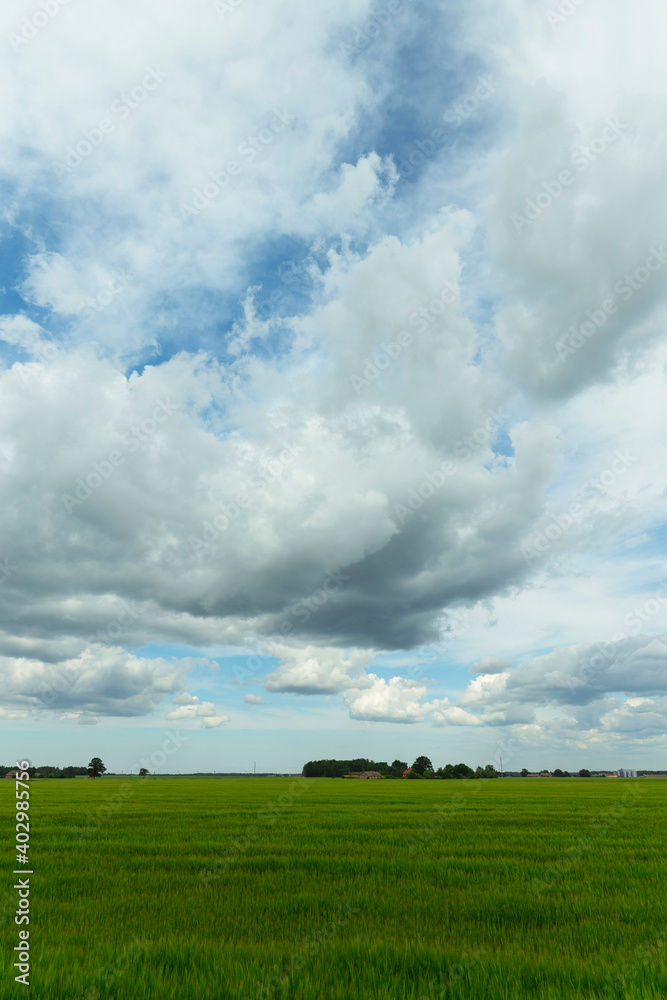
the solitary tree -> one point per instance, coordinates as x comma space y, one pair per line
524, 772
584, 773
558, 773
96, 767
143, 772
422, 764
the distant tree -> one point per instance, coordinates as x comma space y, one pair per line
463, 771
96, 767
584, 773
446, 772
490, 771
558, 773
428, 774
398, 766
524, 772
422, 764
143, 772
415, 774
566, 774
479, 772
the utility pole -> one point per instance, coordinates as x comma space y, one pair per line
501, 766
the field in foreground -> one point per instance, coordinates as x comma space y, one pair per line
394, 890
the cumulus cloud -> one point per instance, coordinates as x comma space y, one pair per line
444, 714
318, 670
395, 700
101, 681
268, 386
491, 665
191, 709
597, 690
253, 699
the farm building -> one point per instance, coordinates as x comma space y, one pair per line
364, 774
407, 772
13, 775
627, 772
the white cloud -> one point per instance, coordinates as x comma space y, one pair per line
314, 670
253, 699
192, 710
444, 714
100, 681
395, 700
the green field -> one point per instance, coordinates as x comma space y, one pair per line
349, 890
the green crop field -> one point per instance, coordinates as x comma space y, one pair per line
348, 890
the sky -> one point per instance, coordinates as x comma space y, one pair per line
332, 383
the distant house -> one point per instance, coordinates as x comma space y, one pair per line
407, 772
540, 774
364, 774
13, 775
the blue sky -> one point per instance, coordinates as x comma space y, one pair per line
332, 372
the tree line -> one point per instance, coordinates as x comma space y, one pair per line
94, 770
421, 768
